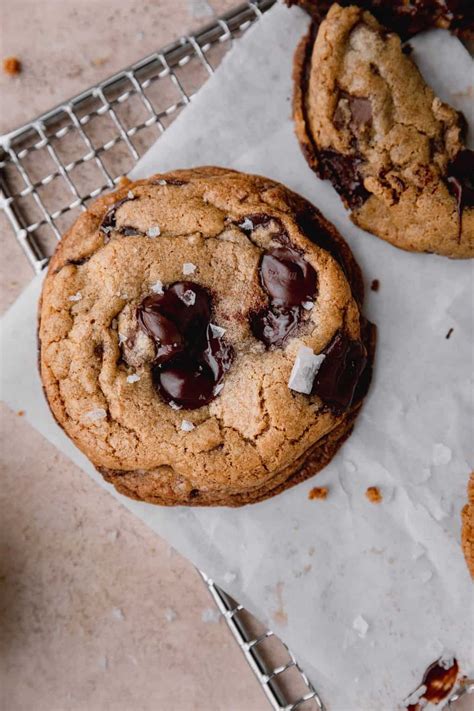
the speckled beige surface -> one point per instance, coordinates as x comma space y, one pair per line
96, 612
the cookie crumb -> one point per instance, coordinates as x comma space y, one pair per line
373, 494
375, 286
448, 335
318, 492
12, 66
20, 413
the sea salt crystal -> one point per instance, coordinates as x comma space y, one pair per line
131, 195
217, 331
246, 224
170, 614
308, 305
153, 231
417, 695
122, 338
189, 297
174, 405
161, 182
447, 660
157, 287
218, 388
304, 370
187, 426
360, 625
441, 454
76, 297
98, 414
134, 378
189, 268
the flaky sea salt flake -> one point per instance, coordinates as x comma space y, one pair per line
134, 378
246, 224
161, 182
189, 268
174, 405
131, 195
308, 305
157, 287
218, 388
304, 370
153, 231
76, 297
187, 426
361, 626
217, 331
122, 338
97, 414
189, 297
417, 696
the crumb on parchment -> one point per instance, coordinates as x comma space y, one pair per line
11, 66
373, 494
318, 492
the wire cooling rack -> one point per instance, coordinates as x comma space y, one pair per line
50, 170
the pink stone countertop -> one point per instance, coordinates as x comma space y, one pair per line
96, 612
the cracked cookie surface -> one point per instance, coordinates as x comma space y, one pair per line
221, 236
367, 121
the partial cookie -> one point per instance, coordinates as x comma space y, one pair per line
367, 121
406, 18
201, 338
467, 533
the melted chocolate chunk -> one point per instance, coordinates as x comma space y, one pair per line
272, 326
340, 372
109, 222
289, 280
361, 112
287, 277
190, 359
439, 682
460, 179
343, 172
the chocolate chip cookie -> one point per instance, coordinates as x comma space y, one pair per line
367, 122
201, 338
406, 17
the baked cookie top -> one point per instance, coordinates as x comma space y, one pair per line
171, 318
368, 122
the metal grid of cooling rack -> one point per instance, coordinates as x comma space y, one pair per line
53, 166
50, 170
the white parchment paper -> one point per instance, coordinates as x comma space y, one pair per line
310, 569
